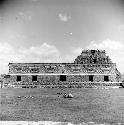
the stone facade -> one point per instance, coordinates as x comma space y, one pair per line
91, 68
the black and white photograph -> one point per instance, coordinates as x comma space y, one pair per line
61, 62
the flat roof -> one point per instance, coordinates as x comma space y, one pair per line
66, 63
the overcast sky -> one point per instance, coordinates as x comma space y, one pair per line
58, 30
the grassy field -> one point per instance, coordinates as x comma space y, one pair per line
87, 105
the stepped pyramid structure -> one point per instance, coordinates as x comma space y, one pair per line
91, 68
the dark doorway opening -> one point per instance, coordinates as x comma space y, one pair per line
106, 78
34, 78
93, 51
94, 61
62, 77
91, 78
18, 78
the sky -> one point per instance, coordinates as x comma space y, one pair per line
58, 30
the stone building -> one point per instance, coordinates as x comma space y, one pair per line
91, 68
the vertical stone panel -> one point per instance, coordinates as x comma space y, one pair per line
98, 78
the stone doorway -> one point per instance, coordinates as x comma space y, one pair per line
91, 78
62, 77
106, 78
34, 78
18, 78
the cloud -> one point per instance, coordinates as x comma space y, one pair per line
77, 50
114, 49
34, 0
64, 17
42, 53
121, 28
106, 44
25, 15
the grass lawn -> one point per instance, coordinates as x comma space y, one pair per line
87, 105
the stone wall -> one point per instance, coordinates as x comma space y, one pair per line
45, 80
59, 68
93, 57
89, 68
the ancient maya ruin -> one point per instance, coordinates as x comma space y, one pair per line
91, 68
